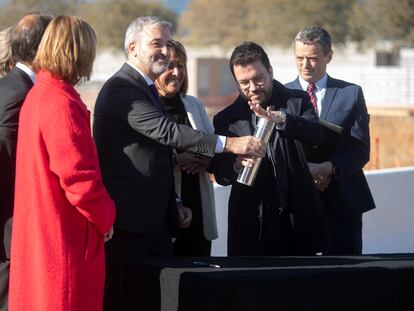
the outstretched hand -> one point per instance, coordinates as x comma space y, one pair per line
268, 113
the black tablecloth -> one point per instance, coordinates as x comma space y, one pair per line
375, 282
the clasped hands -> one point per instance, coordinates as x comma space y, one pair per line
190, 163
322, 174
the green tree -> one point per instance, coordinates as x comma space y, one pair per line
215, 22
111, 18
12, 11
383, 20
273, 22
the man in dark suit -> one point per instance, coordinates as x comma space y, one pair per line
14, 87
336, 164
279, 214
135, 138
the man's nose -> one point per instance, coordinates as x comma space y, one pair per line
305, 62
176, 71
164, 51
252, 85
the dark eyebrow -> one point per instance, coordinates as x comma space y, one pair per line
156, 40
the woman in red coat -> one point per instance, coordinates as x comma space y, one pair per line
62, 212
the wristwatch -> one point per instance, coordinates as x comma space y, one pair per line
178, 201
282, 123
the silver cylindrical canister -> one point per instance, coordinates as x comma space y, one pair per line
263, 132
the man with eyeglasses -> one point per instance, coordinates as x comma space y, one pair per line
280, 213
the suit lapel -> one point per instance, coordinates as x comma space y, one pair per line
23, 76
192, 114
140, 82
296, 84
245, 123
330, 93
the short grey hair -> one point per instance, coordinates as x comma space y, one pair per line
136, 27
315, 34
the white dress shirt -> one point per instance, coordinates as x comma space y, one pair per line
320, 90
27, 70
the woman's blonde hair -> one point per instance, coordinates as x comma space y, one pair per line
5, 51
67, 49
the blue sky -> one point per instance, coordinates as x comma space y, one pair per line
176, 5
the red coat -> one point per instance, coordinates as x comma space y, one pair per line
62, 210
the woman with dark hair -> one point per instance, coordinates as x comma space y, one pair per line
192, 182
62, 212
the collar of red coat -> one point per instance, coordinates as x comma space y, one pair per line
52, 80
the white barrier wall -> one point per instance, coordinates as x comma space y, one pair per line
387, 229
390, 227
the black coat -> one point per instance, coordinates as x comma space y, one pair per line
135, 140
13, 90
295, 183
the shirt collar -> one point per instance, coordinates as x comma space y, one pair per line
27, 70
320, 84
147, 79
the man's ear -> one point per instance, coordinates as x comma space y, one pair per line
271, 71
132, 49
329, 57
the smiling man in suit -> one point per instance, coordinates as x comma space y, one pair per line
135, 138
336, 164
25, 39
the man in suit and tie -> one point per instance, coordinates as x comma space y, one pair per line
135, 138
280, 213
336, 164
26, 36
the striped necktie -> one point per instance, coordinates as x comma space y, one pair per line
311, 91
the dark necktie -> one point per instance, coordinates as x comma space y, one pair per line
159, 104
311, 91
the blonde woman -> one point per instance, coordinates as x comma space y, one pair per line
192, 182
62, 211
6, 63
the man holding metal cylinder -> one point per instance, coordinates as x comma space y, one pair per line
273, 206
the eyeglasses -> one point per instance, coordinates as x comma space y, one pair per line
258, 81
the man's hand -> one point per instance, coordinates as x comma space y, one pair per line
275, 116
246, 145
109, 234
184, 216
322, 174
244, 161
190, 163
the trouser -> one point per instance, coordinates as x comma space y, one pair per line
345, 233
127, 246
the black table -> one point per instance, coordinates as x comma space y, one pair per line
375, 282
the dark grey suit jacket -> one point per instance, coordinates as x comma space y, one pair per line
344, 105
13, 90
135, 140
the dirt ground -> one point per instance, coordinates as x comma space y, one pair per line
392, 138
